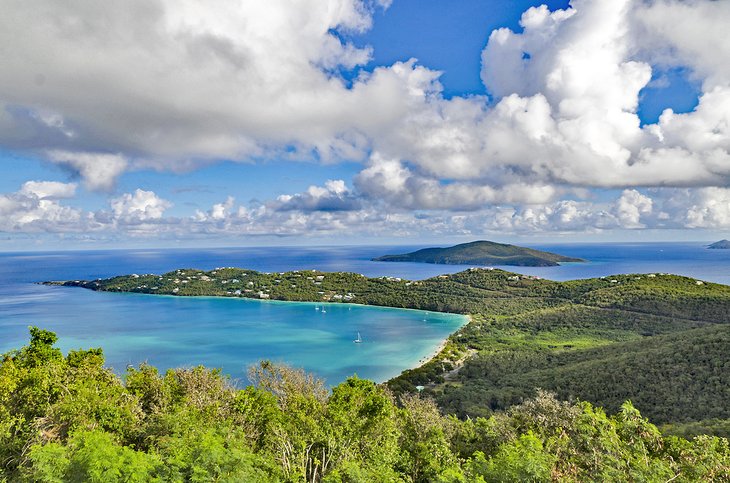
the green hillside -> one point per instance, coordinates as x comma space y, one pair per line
677, 377
482, 253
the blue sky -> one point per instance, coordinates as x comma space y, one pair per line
217, 126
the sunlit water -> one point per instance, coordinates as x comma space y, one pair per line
233, 334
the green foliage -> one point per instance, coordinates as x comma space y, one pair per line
92, 456
713, 427
83, 423
523, 459
211, 454
676, 377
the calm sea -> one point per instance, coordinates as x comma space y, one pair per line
233, 334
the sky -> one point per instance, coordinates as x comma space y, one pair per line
190, 123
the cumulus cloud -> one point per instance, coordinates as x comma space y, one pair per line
163, 79
400, 186
691, 33
48, 190
98, 170
333, 196
566, 93
173, 85
140, 206
631, 207
36, 208
706, 208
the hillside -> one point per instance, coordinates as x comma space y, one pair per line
481, 253
678, 377
604, 340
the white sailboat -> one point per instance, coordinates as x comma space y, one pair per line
358, 340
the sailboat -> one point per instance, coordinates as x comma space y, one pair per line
358, 340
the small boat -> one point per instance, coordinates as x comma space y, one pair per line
316, 308
323, 310
358, 340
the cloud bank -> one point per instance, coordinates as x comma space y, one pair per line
39, 207
100, 90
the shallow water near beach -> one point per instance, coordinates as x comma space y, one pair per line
229, 333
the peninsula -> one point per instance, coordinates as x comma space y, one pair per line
482, 253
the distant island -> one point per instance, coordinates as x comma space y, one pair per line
482, 253
721, 245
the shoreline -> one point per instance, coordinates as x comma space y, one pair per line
257, 300
425, 360
441, 346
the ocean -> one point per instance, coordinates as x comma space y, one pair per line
233, 334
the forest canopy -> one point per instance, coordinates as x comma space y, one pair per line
69, 418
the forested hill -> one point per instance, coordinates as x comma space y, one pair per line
658, 340
482, 253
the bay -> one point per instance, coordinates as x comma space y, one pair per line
232, 333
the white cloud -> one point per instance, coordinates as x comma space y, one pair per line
631, 207
181, 81
402, 187
567, 90
691, 33
333, 196
35, 208
99, 170
140, 206
48, 189
334, 209
176, 84
708, 208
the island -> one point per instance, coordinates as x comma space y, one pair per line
720, 245
482, 253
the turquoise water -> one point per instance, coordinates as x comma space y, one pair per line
232, 334
228, 333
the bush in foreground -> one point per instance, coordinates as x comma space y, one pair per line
68, 418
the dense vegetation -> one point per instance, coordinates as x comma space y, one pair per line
658, 340
67, 418
482, 253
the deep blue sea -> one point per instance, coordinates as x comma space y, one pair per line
233, 334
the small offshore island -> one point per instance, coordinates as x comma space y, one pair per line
720, 245
482, 253
648, 332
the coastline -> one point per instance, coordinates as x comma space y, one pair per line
430, 345
265, 301
441, 346
425, 360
